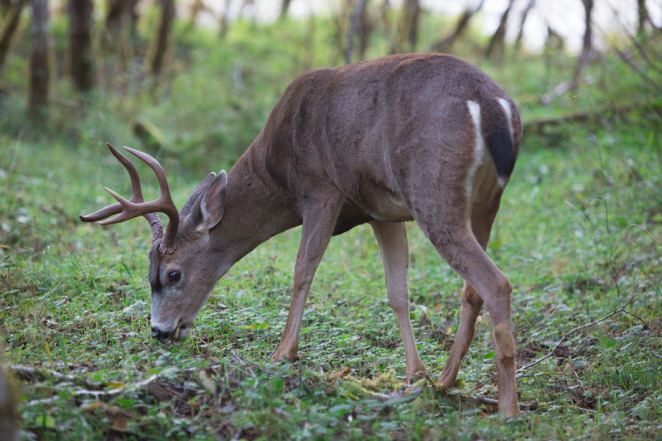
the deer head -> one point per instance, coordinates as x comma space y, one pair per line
183, 267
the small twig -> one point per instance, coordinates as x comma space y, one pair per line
580, 381
493, 402
241, 362
565, 337
578, 351
30, 373
646, 325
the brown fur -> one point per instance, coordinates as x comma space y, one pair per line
382, 141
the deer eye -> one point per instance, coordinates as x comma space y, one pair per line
174, 276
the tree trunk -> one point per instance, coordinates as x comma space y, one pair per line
445, 44
225, 19
365, 29
5, 7
642, 16
525, 14
80, 44
587, 45
284, 8
39, 65
497, 40
412, 14
160, 42
115, 19
353, 28
9, 29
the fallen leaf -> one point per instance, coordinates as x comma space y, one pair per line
341, 374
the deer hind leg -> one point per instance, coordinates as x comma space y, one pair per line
482, 218
393, 248
319, 220
447, 225
463, 253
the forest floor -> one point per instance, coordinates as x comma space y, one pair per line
579, 234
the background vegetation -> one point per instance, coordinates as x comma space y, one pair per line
579, 234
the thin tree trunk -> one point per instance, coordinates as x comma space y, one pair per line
497, 40
39, 63
5, 7
643, 16
587, 45
225, 19
365, 29
115, 19
445, 44
194, 10
160, 43
525, 14
80, 44
284, 8
412, 14
9, 29
353, 28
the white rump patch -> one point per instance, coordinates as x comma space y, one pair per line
506, 107
479, 148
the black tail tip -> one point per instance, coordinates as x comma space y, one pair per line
500, 145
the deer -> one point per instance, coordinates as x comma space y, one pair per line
427, 138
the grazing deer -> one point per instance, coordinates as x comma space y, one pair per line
424, 137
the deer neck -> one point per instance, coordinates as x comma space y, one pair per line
257, 208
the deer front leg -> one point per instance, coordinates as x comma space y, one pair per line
393, 247
319, 220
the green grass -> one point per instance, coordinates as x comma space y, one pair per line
579, 233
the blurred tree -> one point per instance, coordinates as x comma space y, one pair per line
9, 29
195, 8
5, 6
587, 45
445, 44
225, 19
412, 14
284, 8
117, 12
40, 74
386, 20
159, 45
359, 10
81, 66
365, 29
497, 40
408, 28
643, 16
525, 14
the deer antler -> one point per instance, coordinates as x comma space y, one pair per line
137, 206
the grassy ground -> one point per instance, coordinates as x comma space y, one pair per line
579, 233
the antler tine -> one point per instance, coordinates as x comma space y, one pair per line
133, 174
102, 214
136, 206
164, 203
158, 170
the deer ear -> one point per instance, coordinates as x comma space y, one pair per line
213, 201
193, 200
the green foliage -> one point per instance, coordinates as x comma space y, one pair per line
579, 232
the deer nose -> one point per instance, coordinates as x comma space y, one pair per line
160, 335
